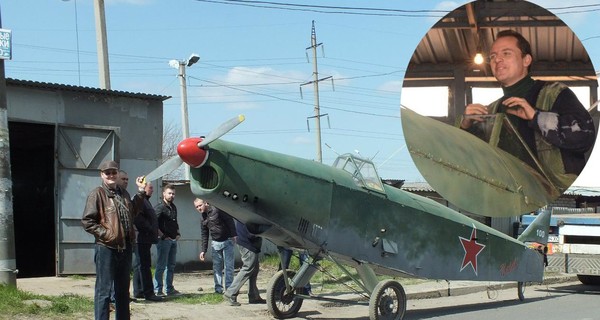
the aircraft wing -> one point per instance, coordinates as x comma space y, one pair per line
470, 173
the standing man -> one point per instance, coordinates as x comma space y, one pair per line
554, 124
168, 234
222, 231
108, 216
147, 234
249, 245
123, 182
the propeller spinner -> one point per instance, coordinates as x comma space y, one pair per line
191, 150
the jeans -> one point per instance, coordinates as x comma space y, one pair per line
248, 272
165, 261
222, 255
112, 265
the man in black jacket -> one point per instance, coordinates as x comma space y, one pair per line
168, 234
221, 228
147, 234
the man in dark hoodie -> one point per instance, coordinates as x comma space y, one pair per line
249, 245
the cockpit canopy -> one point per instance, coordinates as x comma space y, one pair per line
362, 170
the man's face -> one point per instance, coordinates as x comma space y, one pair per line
110, 177
169, 195
507, 61
149, 189
123, 180
201, 206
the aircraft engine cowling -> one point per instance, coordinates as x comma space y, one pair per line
190, 153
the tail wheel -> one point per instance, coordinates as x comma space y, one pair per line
589, 279
521, 290
388, 301
280, 304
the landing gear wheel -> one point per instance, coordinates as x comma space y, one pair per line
388, 301
521, 290
280, 304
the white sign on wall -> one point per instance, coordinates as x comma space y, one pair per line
5, 44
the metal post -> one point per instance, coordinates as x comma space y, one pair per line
102, 45
184, 110
8, 263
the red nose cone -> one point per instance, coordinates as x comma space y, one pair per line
190, 153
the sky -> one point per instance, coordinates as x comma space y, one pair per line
254, 61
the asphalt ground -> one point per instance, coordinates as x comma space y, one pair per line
188, 284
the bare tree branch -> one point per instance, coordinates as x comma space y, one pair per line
171, 137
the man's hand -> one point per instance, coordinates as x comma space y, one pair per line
141, 183
471, 112
519, 107
201, 256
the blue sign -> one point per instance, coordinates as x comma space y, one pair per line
5, 44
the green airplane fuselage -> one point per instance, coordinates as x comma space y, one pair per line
301, 203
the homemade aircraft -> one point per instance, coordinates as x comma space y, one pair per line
346, 214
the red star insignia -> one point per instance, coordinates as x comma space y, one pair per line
472, 250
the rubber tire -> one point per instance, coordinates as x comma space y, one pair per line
521, 290
388, 301
277, 300
589, 279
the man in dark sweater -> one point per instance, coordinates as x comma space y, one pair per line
548, 116
146, 224
249, 245
222, 231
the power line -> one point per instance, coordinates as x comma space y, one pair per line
296, 101
333, 9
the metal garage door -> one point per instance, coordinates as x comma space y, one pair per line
80, 150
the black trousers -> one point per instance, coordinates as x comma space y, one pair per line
145, 271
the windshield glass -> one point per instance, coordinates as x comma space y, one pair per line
363, 171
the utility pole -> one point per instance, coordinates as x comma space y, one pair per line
317, 116
101, 44
8, 262
180, 65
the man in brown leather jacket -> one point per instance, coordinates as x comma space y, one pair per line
108, 216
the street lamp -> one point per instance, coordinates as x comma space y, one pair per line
181, 64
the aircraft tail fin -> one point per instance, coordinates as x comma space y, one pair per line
539, 229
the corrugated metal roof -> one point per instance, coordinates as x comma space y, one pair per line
453, 42
46, 85
417, 187
583, 191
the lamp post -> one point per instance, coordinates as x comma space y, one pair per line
180, 65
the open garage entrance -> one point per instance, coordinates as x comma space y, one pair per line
32, 168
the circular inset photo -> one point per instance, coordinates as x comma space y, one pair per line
497, 105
